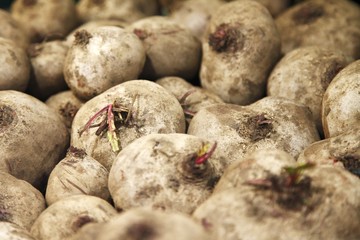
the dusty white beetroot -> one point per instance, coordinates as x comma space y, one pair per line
275, 7
65, 217
47, 61
77, 174
12, 231
102, 58
268, 123
44, 19
33, 137
171, 50
124, 10
332, 24
66, 104
194, 14
341, 151
256, 165
89, 26
141, 223
144, 106
20, 203
15, 67
164, 171
11, 29
304, 74
341, 101
239, 51
191, 98
323, 203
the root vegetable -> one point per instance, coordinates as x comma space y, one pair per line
303, 76
11, 29
256, 165
341, 101
101, 59
144, 224
341, 151
332, 24
122, 114
323, 203
44, 19
275, 7
239, 52
77, 174
64, 218
47, 61
268, 123
172, 172
90, 26
194, 14
11, 231
124, 10
15, 66
20, 203
66, 104
33, 138
191, 98
159, 33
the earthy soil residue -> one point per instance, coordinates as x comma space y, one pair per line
29, 3
68, 111
226, 39
351, 163
76, 152
308, 13
334, 68
7, 116
81, 220
82, 37
288, 196
141, 231
260, 127
98, 2
4, 215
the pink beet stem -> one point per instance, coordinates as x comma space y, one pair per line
190, 113
110, 118
92, 119
188, 93
203, 158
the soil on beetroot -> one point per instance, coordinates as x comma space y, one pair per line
82, 37
7, 116
68, 111
29, 3
351, 163
293, 197
332, 70
261, 126
308, 14
76, 152
141, 231
226, 39
97, 2
82, 220
4, 215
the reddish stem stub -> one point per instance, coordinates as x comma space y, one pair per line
92, 119
226, 39
204, 157
142, 34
